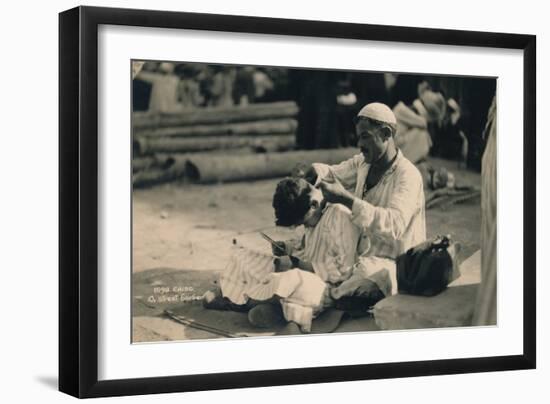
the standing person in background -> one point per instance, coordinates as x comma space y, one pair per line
486, 304
448, 137
244, 91
189, 93
221, 86
474, 95
164, 91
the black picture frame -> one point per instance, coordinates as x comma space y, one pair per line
78, 200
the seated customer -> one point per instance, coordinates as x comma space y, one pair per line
329, 245
298, 283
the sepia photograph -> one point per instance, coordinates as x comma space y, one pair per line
274, 201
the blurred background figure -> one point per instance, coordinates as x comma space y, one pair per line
486, 304
220, 86
244, 90
431, 125
413, 137
437, 116
164, 86
251, 85
448, 138
474, 96
262, 84
189, 94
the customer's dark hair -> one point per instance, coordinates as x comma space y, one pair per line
291, 201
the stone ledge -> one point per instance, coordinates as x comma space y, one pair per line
452, 308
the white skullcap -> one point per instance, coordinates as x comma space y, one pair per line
379, 112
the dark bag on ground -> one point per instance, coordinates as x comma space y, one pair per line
428, 268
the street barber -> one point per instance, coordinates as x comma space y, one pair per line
384, 192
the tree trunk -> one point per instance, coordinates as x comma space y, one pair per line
206, 168
153, 176
145, 146
149, 162
266, 127
142, 163
252, 112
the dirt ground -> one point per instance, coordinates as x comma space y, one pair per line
182, 227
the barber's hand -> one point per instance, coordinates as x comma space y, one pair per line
334, 192
278, 252
282, 264
311, 175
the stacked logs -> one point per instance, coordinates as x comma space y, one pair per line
220, 144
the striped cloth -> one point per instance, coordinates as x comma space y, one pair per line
250, 275
331, 245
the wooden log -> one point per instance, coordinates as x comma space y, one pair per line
218, 167
173, 168
205, 168
149, 145
142, 163
216, 115
265, 127
153, 176
149, 162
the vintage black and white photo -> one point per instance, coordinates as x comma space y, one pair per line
271, 201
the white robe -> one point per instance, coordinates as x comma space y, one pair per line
390, 215
486, 304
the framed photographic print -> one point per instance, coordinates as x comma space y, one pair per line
250, 201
